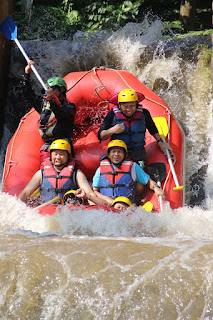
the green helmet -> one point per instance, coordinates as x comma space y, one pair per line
56, 81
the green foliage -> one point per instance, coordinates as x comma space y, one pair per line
175, 26
60, 19
48, 23
194, 33
104, 15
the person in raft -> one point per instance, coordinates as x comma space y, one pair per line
128, 121
118, 175
121, 203
71, 198
58, 175
57, 115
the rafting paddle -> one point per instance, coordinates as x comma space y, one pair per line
163, 130
157, 172
36, 193
148, 206
48, 202
9, 29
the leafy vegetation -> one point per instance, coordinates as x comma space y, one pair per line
60, 19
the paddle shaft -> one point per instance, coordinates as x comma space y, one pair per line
32, 66
160, 197
48, 202
163, 130
172, 167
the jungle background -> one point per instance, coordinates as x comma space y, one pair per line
44, 20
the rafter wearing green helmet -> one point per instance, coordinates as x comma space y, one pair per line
56, 81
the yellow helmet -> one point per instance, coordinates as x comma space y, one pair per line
122, 199
117, 143
61, 144
71, 194
127, 95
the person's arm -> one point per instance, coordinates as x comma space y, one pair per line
64, 112
96, 189
162, 145
154, 131
101, 196
106, 134
143, 178
109, 127
25, 93
83, 183
31, 186
157, 190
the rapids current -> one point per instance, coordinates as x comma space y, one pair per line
103, 265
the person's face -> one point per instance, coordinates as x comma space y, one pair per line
128, 108
60, 92
116, 155
121, 206
73, 201
59, 157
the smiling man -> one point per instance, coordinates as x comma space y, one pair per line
117, 176
128, 121
59, 175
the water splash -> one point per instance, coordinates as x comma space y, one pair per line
180, 223
17, 217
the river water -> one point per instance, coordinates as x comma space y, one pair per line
100, 265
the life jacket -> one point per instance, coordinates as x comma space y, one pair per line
135, 128
115, 182
47, 121
54, 184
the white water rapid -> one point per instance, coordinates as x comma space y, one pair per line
100, 265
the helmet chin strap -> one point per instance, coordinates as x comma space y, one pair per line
60, 165
117, 164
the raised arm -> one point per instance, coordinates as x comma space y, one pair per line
90, 194
31, 186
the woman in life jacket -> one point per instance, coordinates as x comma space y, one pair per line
118, 175
59, 175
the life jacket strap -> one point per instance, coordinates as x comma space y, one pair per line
118, 185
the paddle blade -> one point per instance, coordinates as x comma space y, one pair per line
8, 28
157, 171
178, 188
148, 206
162, 126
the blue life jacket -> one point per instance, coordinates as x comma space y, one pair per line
115, 182
57, 184
135, 128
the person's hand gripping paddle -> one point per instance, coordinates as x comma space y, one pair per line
9, 29
163, 130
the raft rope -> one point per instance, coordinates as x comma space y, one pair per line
10, 161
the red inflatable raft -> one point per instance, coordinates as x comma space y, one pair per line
90, 91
